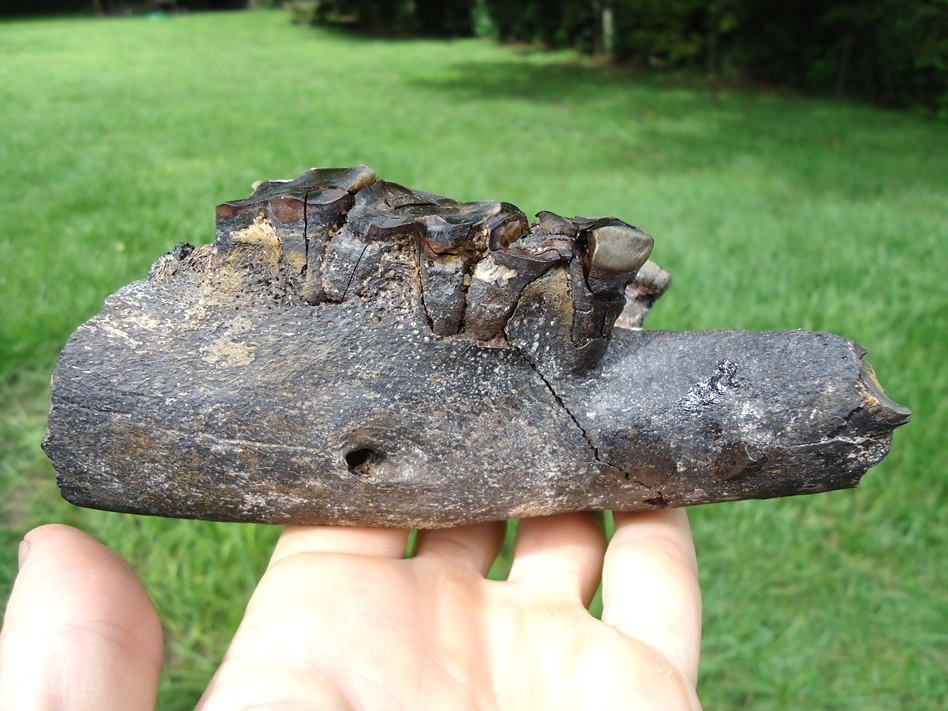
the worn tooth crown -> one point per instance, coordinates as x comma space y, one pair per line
618, 248
476, 270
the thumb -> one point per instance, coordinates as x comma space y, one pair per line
80, 631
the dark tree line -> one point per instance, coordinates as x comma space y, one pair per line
893, 52
25, 8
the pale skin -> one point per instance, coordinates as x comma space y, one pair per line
340, 621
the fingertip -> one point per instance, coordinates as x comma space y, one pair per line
79, 628
473, 547
650, 585
561, 555
669, 525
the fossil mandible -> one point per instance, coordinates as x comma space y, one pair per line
351, 351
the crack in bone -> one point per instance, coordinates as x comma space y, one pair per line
589, 442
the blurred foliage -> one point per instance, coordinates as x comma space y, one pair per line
892, 52
27, 8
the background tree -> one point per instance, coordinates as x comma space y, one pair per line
893, 52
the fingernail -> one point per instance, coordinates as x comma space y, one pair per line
22, 551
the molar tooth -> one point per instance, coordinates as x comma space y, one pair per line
617, 248
454, 238
349, 179
542, 247
453, 228
301, 213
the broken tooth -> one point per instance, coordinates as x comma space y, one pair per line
651, 281
618, 248
506, 226
878, 412
487, 270
552, 224
651, 278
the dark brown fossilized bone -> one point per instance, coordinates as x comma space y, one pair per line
350, 351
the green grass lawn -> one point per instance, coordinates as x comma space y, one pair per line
772, 211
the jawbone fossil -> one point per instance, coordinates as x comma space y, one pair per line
351, 351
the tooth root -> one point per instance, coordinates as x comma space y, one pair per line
348, 265
593, 317
373, 233
325, 212
559, 324
649, 284
519, 255
539, 326
455, 237
554, 329
442, 291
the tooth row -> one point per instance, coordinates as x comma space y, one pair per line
553, 290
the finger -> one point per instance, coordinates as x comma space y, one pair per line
374, 542
650, 585
79, 630
472, 548
561, 555
304, 604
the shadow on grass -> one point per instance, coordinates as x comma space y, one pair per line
662, 124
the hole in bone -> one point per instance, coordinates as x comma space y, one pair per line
364, 460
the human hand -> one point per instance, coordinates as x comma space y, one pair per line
341, 621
